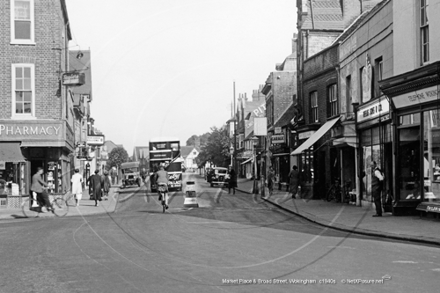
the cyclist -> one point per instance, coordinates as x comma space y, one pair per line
270, 177
38, 190
161, 179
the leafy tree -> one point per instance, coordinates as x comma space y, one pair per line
202, 138
216, 148
116, 157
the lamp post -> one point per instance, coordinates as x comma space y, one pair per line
231, 151
255, 143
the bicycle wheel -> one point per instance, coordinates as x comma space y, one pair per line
28, 211
60, 207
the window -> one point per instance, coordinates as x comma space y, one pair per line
23, 93
424, 30
22, 21
348, 94
314, 107
332, 101
378, 70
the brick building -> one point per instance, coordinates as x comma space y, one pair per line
36, 112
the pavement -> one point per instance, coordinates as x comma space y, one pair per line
86, 207
355, 219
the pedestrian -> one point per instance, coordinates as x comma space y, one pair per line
113, 175
376, 188
105, 184
294, 181
89, 183
96, 182
38, 190
232, 180
77, 181
270, 177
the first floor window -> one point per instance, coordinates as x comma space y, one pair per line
23, 89
333, 100
314, 106
22, 18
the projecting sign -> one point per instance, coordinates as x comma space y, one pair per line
277, 138
376, 109
95, 140
260, 126
74, 78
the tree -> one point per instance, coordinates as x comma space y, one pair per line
216, 148
116, 157
202, 139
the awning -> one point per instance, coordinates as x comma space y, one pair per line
315, 137
247, 161
38, 143
279, 155
344, 141
10, 152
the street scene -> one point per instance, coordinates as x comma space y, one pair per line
222, 145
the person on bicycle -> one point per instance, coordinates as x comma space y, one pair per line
37, 190
161, 179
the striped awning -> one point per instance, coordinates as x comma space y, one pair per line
10, 152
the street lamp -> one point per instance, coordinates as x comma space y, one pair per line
255, 143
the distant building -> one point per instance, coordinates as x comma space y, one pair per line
189, 155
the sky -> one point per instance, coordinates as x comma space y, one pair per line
167, 67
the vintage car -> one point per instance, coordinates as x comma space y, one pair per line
131, 174
219, 176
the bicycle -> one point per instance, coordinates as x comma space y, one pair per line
334, 192
32, 208
162, 189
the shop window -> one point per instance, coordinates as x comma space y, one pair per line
431, 154
409, 184
424, 30
332, 96
22, 21
314, 107
54, 177
23, 92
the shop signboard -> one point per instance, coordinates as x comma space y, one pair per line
417, 97
377, 109
306, 134
260, 126
95, 139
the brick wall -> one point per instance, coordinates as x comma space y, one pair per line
283, 87
48, 56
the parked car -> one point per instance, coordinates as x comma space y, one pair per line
219, 176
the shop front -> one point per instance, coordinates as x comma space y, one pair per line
415, 97
375, 141
27, 145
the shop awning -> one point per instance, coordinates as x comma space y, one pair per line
343, 141
10, 152
39, 143
280, 155
315, 137
247, 161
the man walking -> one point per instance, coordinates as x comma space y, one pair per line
95, 181
77, 181
376, 188
293, 181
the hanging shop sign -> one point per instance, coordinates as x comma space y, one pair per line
260, 126
278, 130
278, 138
74, 78
417, 97
2, 165
95, 139
306, 134
378, 108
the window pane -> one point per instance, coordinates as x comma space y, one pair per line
18, 108
18, 72
27, 84
27, 72
23, 30
27, 96
19, 96
22, 10
27, 108
19, 84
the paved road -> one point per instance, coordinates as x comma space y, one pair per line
227, 240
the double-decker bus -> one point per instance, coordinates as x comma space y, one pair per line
166, 150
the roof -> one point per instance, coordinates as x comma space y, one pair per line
162, 139
327, 15
10, 152
286, 116
358, 21
186, 150
141, 152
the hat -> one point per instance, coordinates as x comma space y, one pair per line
76, 170
96, 171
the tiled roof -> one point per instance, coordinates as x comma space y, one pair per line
327, 15
186, 150
286, 117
